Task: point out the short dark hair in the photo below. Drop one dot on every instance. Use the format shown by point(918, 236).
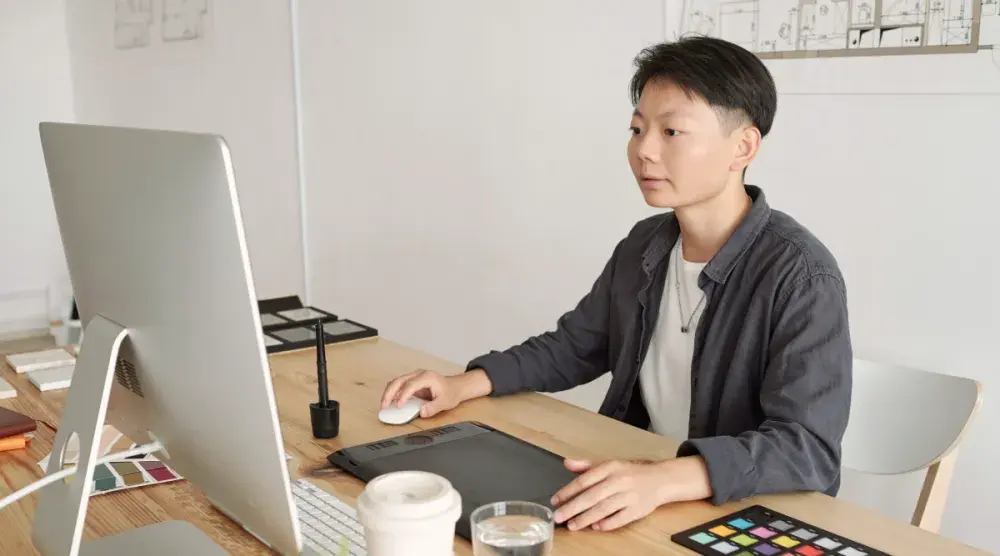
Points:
point(728, 77)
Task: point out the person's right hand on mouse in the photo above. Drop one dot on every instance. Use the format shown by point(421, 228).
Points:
point(443, 393)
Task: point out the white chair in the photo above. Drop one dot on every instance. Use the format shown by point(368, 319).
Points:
point(904, 420)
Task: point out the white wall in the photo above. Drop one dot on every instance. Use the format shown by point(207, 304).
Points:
point(443, 138)
point(237, 82)
point(34, 85)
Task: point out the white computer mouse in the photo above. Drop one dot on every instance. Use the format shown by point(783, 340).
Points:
point(393, 415)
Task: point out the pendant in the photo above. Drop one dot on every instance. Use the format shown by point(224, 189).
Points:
point(684, 329)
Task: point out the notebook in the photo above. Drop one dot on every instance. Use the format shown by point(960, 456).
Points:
point(13, 423)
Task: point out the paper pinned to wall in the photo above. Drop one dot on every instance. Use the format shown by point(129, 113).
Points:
point(133, 19)
point(179, 20)
point(184, 19)
point(813, 28)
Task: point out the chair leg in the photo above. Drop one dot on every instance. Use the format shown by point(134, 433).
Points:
point(934, 494)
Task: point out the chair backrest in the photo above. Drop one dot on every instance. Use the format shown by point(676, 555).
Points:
point(905, 420)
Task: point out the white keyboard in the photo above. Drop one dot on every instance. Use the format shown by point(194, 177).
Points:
point(325, 520)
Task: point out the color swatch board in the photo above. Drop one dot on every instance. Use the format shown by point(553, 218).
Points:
point(279, 338)
point(130, 473)
point(759, 531)
point(288, 325)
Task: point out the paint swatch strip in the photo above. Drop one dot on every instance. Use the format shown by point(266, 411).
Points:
point(124, 474)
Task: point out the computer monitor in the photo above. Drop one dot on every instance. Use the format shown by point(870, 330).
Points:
point(151, 227)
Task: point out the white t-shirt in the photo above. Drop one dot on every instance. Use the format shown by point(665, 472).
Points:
point(665, 375)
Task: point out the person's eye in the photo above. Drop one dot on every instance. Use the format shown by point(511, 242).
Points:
point(635, 130)
point(670, 132)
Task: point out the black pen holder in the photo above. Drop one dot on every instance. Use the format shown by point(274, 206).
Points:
point(325, 420)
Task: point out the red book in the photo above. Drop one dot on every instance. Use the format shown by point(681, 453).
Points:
point(13, 423)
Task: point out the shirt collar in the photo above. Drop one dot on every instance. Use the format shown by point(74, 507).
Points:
point(721, 265)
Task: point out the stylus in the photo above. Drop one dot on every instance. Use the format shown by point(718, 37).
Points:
point(321, 364)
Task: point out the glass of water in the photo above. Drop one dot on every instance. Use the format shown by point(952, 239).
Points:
point(512, 529)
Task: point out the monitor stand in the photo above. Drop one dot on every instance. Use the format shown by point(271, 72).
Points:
point(62, 505)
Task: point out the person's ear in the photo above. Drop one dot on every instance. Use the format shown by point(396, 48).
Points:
point(746, 146)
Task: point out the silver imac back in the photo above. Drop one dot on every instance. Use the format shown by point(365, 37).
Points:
point(151, 227)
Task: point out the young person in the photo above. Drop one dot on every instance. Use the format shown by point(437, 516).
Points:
point(723, 322)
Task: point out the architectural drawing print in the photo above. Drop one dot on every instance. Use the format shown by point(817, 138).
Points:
point(778, 31)
point(863, 38)
point(701, 18)
point(903, 12)
point(824, 25)
point(989, 29)
point(949, 22)
point(738, 21)
point(783, 28)
point(911, 35)
point(862, 13)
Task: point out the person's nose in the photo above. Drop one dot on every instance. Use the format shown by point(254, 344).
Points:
point(649, 148)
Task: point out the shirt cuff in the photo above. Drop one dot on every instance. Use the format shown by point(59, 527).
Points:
point(731, 471)
point(502, 370)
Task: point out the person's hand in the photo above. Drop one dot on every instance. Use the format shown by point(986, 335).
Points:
point(443, 393)
point(612, 494)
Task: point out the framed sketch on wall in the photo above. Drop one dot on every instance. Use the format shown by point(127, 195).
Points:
point(828, 28)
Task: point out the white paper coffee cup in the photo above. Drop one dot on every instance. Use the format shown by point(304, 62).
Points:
point(409, 513)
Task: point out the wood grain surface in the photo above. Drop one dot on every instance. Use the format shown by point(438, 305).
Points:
point(358, 373)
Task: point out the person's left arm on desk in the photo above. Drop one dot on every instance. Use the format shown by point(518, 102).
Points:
point(805, 398)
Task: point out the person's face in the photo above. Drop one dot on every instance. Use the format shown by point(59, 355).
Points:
point(681, 151)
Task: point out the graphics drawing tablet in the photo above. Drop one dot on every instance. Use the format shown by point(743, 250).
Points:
point(485, 465)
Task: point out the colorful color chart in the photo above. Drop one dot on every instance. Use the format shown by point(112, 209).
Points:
point(130, 473)
point(759, 531)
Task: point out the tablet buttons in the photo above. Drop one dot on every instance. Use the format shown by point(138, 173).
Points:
point(418, 440)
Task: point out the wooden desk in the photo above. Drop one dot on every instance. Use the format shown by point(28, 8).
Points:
point(358, 373)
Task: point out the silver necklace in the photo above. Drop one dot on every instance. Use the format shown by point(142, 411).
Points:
point(685, 327)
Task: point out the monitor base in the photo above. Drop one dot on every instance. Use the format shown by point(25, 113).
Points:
point(168, 538)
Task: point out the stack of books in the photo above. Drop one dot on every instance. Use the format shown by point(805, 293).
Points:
point(16, 430)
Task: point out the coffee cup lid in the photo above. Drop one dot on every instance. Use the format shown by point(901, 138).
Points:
point(409, 495)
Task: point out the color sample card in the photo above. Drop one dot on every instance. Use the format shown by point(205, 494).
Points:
point(759, 531)
point(40, 360)
point(298, 331)
point(305, 314)
point(130, 473)
point(342, 327)
point(296, 334)
point(71, 453)
point(58, 378)
point(271, 341)
point(6, 390)
point(270, 319)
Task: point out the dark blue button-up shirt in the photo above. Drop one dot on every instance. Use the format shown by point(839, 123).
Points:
point(771, 371)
